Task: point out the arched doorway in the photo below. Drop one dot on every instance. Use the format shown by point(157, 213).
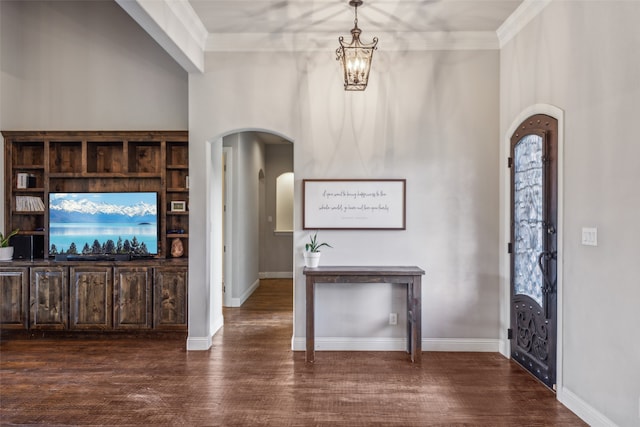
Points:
point(531, 128)
point(533, 248)
point(206, 276)
point(253, 247)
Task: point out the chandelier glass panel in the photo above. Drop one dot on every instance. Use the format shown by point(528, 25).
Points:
point(355, 57)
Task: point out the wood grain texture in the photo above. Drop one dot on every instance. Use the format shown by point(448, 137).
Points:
point(132, 298)
point(251, 377)
point(14, 298)
point(90, 297)
point(410, 276)
point(49, 298)
point(97, 161)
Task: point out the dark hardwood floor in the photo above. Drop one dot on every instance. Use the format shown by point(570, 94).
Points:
point(251, 377)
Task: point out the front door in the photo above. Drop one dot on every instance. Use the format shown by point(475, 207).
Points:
point(534, 171)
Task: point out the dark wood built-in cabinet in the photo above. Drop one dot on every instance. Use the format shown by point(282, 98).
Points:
point(98, 162)
point(103, 296)
point(14, 297)
point(90, 297)
point(170, 298)
point(148, 295)
point(132, 298)
point(49, 302)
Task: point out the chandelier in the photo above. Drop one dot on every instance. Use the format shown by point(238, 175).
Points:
point(355, 56)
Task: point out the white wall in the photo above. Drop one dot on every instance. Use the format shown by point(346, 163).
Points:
point(69, 65)
point(429, 117)
point(275, 249)
point(248, 160)
point(84, 66)
point(582, 57)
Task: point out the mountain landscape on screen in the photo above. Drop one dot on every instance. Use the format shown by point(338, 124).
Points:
point(103, 223)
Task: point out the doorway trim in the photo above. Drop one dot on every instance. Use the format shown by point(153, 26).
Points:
point(214, 232)
point(227, 226)
point(505, 233)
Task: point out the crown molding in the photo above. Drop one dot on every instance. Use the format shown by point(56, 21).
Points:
point(519, 19)
point(309, 42)
point(174, 26)
point(178, 29)
point(190, 20)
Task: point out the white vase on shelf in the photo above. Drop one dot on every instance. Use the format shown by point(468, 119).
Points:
point(311, 259)
point(6, 253)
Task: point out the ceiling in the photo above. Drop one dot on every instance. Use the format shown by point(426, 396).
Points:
point(336, 16)
point(187, 29)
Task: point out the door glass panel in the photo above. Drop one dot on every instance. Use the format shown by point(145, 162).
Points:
point(528, 219)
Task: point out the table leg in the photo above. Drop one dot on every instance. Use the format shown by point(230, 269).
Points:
point(416, 336)
point(310, 351)
point(409, 316)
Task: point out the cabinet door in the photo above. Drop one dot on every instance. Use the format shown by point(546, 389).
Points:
point(14, 298)
point(132, 298)
point(49, 298)
point(91, 291)
point(170, 298)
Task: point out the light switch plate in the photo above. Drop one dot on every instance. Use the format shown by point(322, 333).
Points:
point(590, 236)
point(393, 318)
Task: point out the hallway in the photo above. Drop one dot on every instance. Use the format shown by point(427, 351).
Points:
point(251, 377)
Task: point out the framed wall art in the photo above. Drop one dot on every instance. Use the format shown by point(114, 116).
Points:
point(354, 204)
point(178, 206)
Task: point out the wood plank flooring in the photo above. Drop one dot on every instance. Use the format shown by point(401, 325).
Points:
point(252, 378)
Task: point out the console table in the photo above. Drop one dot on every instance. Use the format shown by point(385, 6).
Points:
point(410, 276)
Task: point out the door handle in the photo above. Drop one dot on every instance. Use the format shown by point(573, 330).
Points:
point(548, 286)
point(545, 256)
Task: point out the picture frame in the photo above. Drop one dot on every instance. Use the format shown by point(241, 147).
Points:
point(178, 206)
point(354, 204)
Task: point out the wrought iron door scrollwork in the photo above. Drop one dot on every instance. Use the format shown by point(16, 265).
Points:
point(531, 337)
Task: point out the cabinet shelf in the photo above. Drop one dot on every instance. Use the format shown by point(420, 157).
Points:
point(179, 236)
point(28, 167)
point(32, 233)
point(28, 190)
point(100, 161)
point(89, 175)
point(27, 212)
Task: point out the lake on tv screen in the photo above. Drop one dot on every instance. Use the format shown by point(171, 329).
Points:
point(62, 235)
point(118, 222)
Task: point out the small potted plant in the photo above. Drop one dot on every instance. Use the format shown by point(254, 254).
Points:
point(6, 251)
point(312, 251)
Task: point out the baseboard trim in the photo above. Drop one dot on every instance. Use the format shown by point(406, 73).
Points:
point(588, 413)
point(276, 275)
point(475, 345)
point(352, 344)
point(205, 343)
point(504, 348)
point(396, 344)
point(217, 325)
point(198, 343)
point(237, 302)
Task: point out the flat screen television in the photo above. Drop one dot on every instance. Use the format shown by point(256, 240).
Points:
point(103, 223)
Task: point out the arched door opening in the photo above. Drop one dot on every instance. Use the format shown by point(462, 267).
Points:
point(544, 226)
point(253, 248)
